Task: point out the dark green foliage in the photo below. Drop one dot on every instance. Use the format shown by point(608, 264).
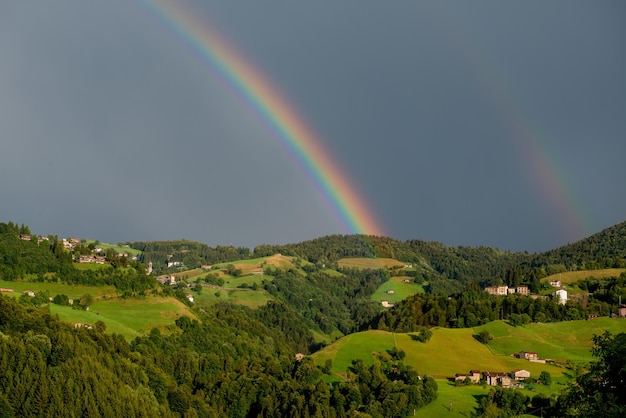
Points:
point(599, 392)
point(545, 378)
point(606, 249)
point(471, 309)
point(192, 254)
point(230, 364)
point(484, 337)
point(502, 403)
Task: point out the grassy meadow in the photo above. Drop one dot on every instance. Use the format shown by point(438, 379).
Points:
point(574, 276)
point(369, 263)
point(128, 317)
point(569, 340)
point(451, 351)
point(72, 291)
point(401, 290)
point(117, 248)
point(454, 350)
point(246, 297)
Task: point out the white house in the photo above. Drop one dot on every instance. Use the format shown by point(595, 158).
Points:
point(561, 295)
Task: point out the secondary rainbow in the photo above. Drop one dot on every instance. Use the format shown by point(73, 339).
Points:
point(256, 90)
point(541, 162)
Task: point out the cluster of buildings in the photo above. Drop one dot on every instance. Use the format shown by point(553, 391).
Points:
point(24, 237)
point(506, 380)
point(560, 294)
point(506, 290)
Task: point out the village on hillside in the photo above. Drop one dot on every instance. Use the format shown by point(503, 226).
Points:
point(513, 379)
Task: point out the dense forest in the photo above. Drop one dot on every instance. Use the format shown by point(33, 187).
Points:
point(229, 365)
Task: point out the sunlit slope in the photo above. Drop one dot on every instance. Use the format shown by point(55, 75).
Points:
point(451, 351)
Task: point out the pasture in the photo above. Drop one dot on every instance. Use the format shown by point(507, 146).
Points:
point(369, 263)
point(568, 340)
point(117, 248)
point(574, 276)
point(128, 317)
point(452, 351)
point(395, 289)
point(72, 291)
point(245, 297)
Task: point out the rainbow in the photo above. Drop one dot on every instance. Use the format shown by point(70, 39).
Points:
point(541, 162)
point(256, 90)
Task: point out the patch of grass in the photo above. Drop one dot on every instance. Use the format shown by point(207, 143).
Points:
point(116, 248)
point(91, 266)
point(72, 291)
point(400, 289)
point(464, 400)
point(574, 276)
point(259, 264)
point(331, 272)
point(246, 297)
point(128, 317)
point(451, 351)
point(250, 279)
point(369, 263)
point(568, 340)
point(363, 345)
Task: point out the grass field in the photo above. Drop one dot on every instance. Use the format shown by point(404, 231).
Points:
point(72, 291)
point(401, 290)
point(257, 264)
point(128, 317)
point(246, 297)
point(232, 282)
point(116, 248)
point(464, 400)
point(574, 276)
point(363, 345)
point(369, 263)
point(570, 340)
point(91, 266)
point(452, 351)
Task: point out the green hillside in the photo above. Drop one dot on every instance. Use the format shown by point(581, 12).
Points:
point(562, 341)
point(449, 351)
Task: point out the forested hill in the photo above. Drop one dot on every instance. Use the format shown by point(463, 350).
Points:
point(190, 254)
point(605, 249)
point(477, 264)
point(480, 265)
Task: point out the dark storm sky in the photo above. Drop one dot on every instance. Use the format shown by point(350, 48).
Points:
point(469, 123)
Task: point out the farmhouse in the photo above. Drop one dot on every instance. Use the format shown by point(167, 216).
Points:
point(497, 290)
point(171, 280)
point(621, 311)
point(473, 376)
point(92, 259)
point(520, 374)
point(497, 378)
point(29, 293)
point(528, 355)
point(2, 289)
point(561, 296)
point(522, 290)
point(555, 283)
point(386, 304)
